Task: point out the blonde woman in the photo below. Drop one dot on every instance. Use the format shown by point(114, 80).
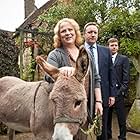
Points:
point(67, 40)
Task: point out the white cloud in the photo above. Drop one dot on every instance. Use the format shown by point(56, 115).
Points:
point(39, 3)
point(12, 13)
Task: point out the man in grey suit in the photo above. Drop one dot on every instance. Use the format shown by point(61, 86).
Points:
point(121, 72)
point(104, 66)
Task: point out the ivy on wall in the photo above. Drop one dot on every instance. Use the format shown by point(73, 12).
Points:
point(8, 56)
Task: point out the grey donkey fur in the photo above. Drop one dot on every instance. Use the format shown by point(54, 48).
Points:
point(50, 112)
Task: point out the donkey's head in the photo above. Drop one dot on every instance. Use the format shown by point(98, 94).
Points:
point(70, 100)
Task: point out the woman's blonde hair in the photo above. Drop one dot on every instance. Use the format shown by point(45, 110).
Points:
point(57, 40)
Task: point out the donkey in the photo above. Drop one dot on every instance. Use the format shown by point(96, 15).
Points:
point(49, 112)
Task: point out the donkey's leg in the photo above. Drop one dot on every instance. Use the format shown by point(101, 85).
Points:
point(11, 134)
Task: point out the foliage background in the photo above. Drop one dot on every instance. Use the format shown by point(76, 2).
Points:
point(119, 18)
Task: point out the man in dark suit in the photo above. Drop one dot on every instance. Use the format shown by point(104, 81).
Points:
point(103, 61)
point(121, 72)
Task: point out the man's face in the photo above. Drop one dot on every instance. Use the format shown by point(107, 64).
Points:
point(113, 46)
point(91, 34)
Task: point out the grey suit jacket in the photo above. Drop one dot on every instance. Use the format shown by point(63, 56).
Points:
point(59, 58)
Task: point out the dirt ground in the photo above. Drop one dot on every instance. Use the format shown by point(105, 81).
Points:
point(130, 136)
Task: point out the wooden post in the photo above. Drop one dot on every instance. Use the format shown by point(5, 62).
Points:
point(11, 134)
point(21, 54)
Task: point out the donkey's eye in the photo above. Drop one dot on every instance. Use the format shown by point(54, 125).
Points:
point(53, 100)
point(77, 103)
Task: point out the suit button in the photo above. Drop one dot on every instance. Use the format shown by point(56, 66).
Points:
point(117, 85)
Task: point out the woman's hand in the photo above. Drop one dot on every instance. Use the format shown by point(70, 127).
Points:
point(67, 71)
point(98, 102)
point(98, 108)
point(39, 59)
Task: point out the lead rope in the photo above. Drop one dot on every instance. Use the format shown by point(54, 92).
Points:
point(35, 99)
point(96, 127)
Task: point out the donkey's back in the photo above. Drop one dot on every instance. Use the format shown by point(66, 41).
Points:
point(7, 83)
point(28, 106)
point(17, 101)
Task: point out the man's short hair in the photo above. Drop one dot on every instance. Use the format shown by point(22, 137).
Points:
point(111, 40)
point(90, 23)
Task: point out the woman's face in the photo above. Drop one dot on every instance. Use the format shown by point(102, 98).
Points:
point(67, 33)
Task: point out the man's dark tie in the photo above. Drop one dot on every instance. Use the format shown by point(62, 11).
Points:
point(91, 50)
point(91, 96)
point(94, 56)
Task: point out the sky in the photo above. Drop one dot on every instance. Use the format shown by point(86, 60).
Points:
point(12, 13)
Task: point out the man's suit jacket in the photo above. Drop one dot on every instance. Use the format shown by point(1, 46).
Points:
point(121, 72)
point(106, 73)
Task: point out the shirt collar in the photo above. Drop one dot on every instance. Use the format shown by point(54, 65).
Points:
point(88, 46)
point(114, 55)
point(95, 45)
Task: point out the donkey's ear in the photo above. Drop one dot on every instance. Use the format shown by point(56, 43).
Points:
point(51, 70)
point(82, 64)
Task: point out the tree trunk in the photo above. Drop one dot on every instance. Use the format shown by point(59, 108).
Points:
point(136, 63)
point(133, 121)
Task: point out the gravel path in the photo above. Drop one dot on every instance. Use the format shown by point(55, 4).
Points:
point(130, 136)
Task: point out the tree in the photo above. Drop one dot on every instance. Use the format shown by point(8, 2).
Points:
point(8, 61)
point(79, 10)
point(125, 25)
point(8, 56)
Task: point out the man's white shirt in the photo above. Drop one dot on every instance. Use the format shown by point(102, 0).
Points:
point(114, 57)
point(94, 50)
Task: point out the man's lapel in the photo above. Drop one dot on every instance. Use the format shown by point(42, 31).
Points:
point(100, 56)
